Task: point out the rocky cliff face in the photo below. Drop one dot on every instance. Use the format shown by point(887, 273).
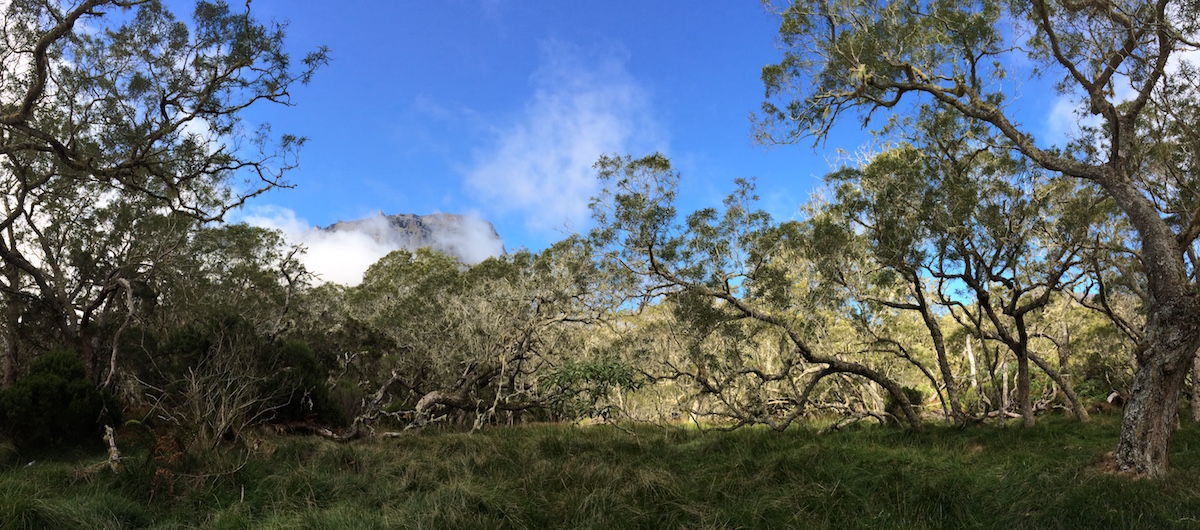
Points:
point(469, 239)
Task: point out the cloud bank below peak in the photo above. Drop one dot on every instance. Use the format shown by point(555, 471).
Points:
point(539, 165)
point(342, 256)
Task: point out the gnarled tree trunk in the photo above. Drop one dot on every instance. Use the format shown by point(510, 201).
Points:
point(1163, 362)
point(1064, 382)
point(1172, 335)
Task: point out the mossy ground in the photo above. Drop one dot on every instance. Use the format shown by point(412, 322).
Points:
point(1051, 476)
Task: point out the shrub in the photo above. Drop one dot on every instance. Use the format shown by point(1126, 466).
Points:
point(579, 389)
point(916, 397)
point(215, 378)
point(55, 405)
point(302, 379)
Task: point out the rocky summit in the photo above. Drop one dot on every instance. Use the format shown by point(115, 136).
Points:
point(470, 239)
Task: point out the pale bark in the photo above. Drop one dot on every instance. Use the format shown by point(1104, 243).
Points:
point(116, 339)
point(939, 346)
point(1064, 349)
point(1196, 388)
point(1065, 384)
point(971, 361)
point(1004, 395)
point(114, 455)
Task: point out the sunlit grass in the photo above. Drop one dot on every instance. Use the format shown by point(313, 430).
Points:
point(648, 477)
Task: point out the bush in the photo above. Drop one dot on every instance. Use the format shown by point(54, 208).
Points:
point(215, 378)
point(916, 397)
point(302, 379)
point(55, 405)
point(580, 389)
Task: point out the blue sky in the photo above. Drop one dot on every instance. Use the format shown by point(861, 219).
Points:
point(499, 108)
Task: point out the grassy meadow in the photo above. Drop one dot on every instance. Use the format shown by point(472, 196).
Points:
point(565, 476)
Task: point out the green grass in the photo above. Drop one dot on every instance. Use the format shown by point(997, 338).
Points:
point(600, 477)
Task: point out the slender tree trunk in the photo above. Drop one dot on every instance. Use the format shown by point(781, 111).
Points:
point(1023, 400)
point(939, 346)
point(971, 360)
point(1196, 387)
point(1004, 397)
point(877, 402)
point(1064, 354)
point(1065, 384)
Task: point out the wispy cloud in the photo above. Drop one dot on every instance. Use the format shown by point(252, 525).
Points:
point(1070, 112)
point(540, 165)
point(1066, 118)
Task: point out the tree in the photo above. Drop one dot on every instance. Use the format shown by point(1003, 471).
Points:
point(213, 378)
point(476, 341)
point(202, 340)
point(952, 217)
point(842, 56)
point(116, 139)
point(1014, 252)
point(732, 276)
point(889, 264)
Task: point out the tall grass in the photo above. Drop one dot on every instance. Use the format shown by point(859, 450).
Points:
point(1052, 476)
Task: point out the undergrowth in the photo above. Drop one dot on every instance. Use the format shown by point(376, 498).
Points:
point(1051, 476)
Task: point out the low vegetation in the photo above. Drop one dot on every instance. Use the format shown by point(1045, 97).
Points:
point(1055, 475)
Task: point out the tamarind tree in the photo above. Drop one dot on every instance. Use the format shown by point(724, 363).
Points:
point(1122, 62)
point(121, 131)
point(734, 279)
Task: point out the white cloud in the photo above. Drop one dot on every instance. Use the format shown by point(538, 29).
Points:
point(340, 258)
point(1070, 111)
point(540, 166)
point(474, 240)
point(343, 256)
point(1065, 118)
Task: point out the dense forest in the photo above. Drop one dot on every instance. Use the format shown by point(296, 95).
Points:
point(961, 274)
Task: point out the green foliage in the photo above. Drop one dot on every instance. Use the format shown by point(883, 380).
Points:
point(54, 405)
point(930, 66)
point(302, 377)
point(584, 388)
point(752, 322)
point(424, 334)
